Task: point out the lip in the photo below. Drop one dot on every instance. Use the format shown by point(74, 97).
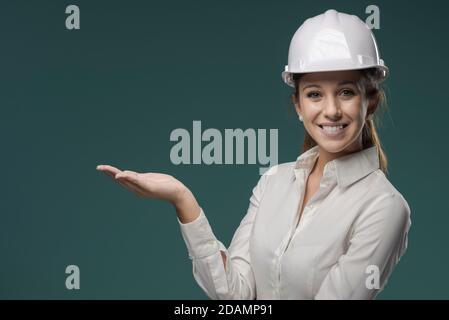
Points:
point(333, 135)
point(333, 124)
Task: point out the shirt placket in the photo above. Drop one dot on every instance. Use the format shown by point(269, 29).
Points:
point(285, 241)
point(308, 212)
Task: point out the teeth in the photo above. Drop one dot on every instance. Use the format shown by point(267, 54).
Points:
point(332, 129)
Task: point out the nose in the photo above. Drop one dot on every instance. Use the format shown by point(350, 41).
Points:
point(332, 109)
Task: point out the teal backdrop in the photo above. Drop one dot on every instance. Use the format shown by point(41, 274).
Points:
point(113, 91)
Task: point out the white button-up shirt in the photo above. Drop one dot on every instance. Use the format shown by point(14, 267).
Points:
point(349, 238)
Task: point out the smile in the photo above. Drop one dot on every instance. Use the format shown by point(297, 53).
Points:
point(333, 131)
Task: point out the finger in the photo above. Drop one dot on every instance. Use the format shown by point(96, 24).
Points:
point(132, 188)
point(129, 175)
point(129, 179)
point(108, 168)
point(111, 175)
point(133, 179)
point(125, 180)
point(132, 173)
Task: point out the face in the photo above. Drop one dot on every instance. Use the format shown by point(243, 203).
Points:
point(334, 109)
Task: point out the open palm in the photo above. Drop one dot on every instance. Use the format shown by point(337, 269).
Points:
point(150, 185)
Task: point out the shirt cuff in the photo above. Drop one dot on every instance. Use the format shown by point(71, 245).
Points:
point(199, 237)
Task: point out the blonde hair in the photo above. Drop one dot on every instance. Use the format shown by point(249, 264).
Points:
point(375, 94)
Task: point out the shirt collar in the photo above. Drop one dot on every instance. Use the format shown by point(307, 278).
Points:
point(347, 169)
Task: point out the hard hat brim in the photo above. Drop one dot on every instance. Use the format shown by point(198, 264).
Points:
point(287, 76)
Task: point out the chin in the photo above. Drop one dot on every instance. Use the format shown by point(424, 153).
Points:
point(332, 146)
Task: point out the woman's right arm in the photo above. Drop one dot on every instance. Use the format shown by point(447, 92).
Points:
point(222, 273)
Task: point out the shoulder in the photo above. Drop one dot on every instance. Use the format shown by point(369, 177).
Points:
point(383, 188)
point(385, 201)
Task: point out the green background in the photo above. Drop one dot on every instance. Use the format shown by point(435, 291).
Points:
point(113, 91)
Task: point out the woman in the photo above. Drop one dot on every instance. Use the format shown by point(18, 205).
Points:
point(329, 225)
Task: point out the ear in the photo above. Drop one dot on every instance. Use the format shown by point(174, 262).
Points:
point(296, 104)
point(373, 102)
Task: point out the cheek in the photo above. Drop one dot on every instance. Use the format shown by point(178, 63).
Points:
point(356, 110)
point(309, 109)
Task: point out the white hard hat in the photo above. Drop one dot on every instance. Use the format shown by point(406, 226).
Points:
point(332, 41)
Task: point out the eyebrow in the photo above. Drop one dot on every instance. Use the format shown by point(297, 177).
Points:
point(339, 84)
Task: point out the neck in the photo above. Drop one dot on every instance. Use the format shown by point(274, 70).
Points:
point(325, 157)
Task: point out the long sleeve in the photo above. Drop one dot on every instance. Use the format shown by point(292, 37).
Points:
point(237, 281)
point(379, 239)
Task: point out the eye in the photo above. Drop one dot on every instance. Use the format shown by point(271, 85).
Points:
point(313, 94)
point(347, 92)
